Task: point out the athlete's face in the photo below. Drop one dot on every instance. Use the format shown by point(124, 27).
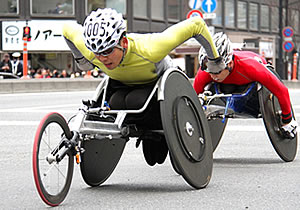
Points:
point(220, 77)
point(111, 58)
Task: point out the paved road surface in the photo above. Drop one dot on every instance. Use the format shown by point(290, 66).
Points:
point(247, 172)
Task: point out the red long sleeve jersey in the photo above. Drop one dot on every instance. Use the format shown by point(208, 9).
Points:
point(249, 67)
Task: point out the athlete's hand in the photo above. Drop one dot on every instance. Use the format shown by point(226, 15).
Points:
point(215, 65)
point(84, 64)
point(290, 129)
point(203, 96)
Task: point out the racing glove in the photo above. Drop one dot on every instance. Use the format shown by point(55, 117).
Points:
point(84, 64)
point(215, 65)
point(203, 96)
point(81, 61)
point(290, 129)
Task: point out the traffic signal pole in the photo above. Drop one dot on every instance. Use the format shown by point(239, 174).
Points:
point(25, 58)
point(26, 39)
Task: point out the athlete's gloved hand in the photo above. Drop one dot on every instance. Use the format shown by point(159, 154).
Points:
point(290, 129)
point(84, 64)
point(203, 96)
point(207, 93)
point(215, 65)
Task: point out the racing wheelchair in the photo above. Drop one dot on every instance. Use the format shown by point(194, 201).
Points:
point(224, 101)
point(97, 135)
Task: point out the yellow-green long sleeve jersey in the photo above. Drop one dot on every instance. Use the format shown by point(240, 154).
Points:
point(146, 56)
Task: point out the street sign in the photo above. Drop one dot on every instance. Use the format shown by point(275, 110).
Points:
point(288, 46)
point(209, 16)
point(194, 13)
point(195, 4)
point(287, 32)
point(209, 6)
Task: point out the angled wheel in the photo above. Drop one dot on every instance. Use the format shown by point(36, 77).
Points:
point(217, 126)
point(52, 179)
point(186, 130)
point(270, 109)
point(286, 148)
point(100, 159)
point(175, 167)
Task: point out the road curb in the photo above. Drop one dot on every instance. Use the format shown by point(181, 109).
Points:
point(47, 85)
point(9, 86)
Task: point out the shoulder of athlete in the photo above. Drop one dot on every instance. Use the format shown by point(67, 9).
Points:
point(248, 55)
point(72, 29)
point(143, 45)
point(73, 32)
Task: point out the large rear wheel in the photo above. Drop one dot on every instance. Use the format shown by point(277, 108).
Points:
point(186, 131)
point(286, 148)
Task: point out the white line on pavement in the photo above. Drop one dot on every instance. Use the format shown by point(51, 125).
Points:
point(43, 109)
point(23, 123)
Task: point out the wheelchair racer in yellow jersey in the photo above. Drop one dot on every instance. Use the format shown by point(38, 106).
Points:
point(132, 58)
point(132, 61)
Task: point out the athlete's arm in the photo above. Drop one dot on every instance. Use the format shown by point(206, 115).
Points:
point(160, 44)
point(260, 73)
point(201, 80)
point(73, 37)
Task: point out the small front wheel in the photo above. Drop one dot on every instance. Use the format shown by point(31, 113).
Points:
point(52, 178)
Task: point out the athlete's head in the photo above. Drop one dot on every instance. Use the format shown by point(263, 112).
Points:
point(103, 30)
point(223, 45)
point(104, 34)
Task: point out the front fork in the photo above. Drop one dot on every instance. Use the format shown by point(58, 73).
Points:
point(70, 145)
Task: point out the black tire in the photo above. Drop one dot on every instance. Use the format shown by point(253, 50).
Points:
point(217, 126)
point(48, 136)
point(175, 167)
point(285, 148)
point(270, 109)
point(186, 131)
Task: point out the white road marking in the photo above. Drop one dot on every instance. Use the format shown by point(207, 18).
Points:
point(44, 109)
point(22, 123)
point(46, 93)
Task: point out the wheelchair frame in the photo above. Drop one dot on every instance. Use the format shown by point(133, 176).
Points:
point(82, 135)
point(269, 111)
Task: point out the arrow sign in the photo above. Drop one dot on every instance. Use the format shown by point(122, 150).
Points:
point(209, 6)
point(194, 4)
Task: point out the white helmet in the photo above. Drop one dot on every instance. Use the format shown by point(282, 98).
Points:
point(103, 29)
point(223, 45)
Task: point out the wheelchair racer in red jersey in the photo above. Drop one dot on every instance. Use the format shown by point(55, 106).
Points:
point(244, 67)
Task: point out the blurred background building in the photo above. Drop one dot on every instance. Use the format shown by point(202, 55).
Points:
point(256, 25)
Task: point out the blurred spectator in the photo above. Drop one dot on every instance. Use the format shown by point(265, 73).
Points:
point(55, 73)
point(75, 74)
point(49, 73)
point(38, 74)
point(5, 65)
point(87, 74)
point(64, 74)
point(31, 72)
point(17, 66)
point(12, 6)
point(45, 74)
point(95, 73)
